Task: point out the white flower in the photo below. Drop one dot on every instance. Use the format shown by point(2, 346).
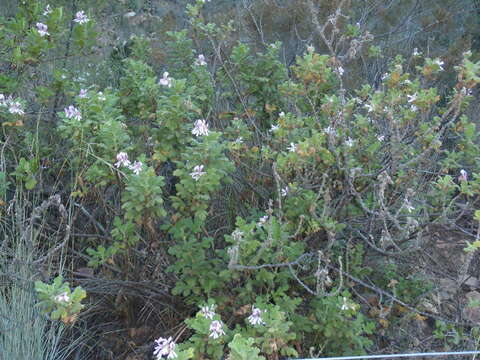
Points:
point(216, 329)
point(81, 18)
point(101, 97)
point(200, 61)
point(369, 107)
point(292, 147)
point(204, 1)
point(73, 113)
point(282, 114)
point(438, 62)
point(310, 49)
point(47, 10)
point(412, 98)
point(463, 175)
point(83, 93)
point(165, 347)
point(346, 305)
point(3, 101)
point(15, 108)
point(262, 220)
point(329, 130)
point(42, 29)
point(197, 172)
point(208, 311)
point(166, 80)
point(122, 160)
point(274, 128)
point(416, 52)
point(349, 142)
point(381, 138)
point(384, 76)
point(136, 167)
point(413, 107)
point(239, 140)
point(62, 297)
point(237, 235)
point(340, 70)
point(201, 128)
point(255, 318)
point(407, 82)
point(284, 191)
point(408, 206)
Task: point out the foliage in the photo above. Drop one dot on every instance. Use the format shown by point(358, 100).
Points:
point(263, 189)
point(59, 301)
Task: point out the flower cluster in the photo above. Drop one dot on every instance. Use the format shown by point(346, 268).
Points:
point(262, 221)
point(14, 107)
point(256, 317)
point(165, 80)
point(463, 175)
point(197, 172)
point(216, 326)
point(200, 61)
point(81, 18)
point(62, 297)
point(439, 62)
point(346, 305)
point(42, 29)
point(122, 160)
point(201, 128)
point(83, 93)
point(72, 112)
point(216, 329)
point(208, 311)
point(47, 10)
point(165, 348)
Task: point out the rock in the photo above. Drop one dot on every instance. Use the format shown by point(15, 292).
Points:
point(469, 281)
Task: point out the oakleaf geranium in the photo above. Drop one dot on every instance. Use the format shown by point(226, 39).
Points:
point(165, 348)
point(256, 317)
point(81, 18)
point(201, 128)
point(72, 112)
point(216, 329)
point(197, 172)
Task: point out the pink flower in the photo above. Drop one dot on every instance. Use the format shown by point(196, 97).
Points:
point(73, 113)
point(62, 297)
point(197, 172)
point(208, 311)
point(47, 10)
point(83, 93)
point(200, 60)
point(166, 80)
point(255, 318)
point(164, 347)
point(136, 167)
point(42, 29)
point(216, 329)
point(122, 160)
point(463, 175)
point(81, 18)
point(16, 108)
point(201, 128)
